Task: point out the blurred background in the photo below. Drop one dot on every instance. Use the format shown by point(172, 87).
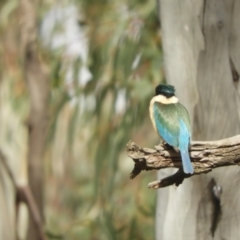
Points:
point(87, 69)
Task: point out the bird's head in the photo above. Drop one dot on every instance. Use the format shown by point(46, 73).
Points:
point(165, 90)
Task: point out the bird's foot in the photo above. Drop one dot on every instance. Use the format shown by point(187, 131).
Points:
point(159, 147)
point(163, 146)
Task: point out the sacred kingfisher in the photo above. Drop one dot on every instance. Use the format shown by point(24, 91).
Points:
point(171, 120)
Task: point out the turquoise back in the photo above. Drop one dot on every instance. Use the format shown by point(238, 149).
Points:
point(173, 124)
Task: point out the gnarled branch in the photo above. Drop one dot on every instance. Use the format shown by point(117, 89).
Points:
point(205, 156)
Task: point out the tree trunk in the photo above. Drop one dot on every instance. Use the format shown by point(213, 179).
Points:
point(201, 54)
point(38, 85)
point(7, 209)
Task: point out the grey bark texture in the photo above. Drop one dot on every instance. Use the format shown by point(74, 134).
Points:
point(201, 46)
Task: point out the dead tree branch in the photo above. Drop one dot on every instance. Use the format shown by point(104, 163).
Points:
point(205, 156)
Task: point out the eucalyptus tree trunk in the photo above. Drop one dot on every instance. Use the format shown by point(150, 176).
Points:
point(201, 46)
point(7, 210)
point(37, 80)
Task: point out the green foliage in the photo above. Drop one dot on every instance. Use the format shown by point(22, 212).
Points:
point(125, 55)
point(88, 191)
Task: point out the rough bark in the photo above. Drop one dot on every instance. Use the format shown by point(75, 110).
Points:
point(205, 157)
point(38, 85)
point(201, 40)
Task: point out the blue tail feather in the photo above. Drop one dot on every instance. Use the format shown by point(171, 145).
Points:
point(187, 165)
